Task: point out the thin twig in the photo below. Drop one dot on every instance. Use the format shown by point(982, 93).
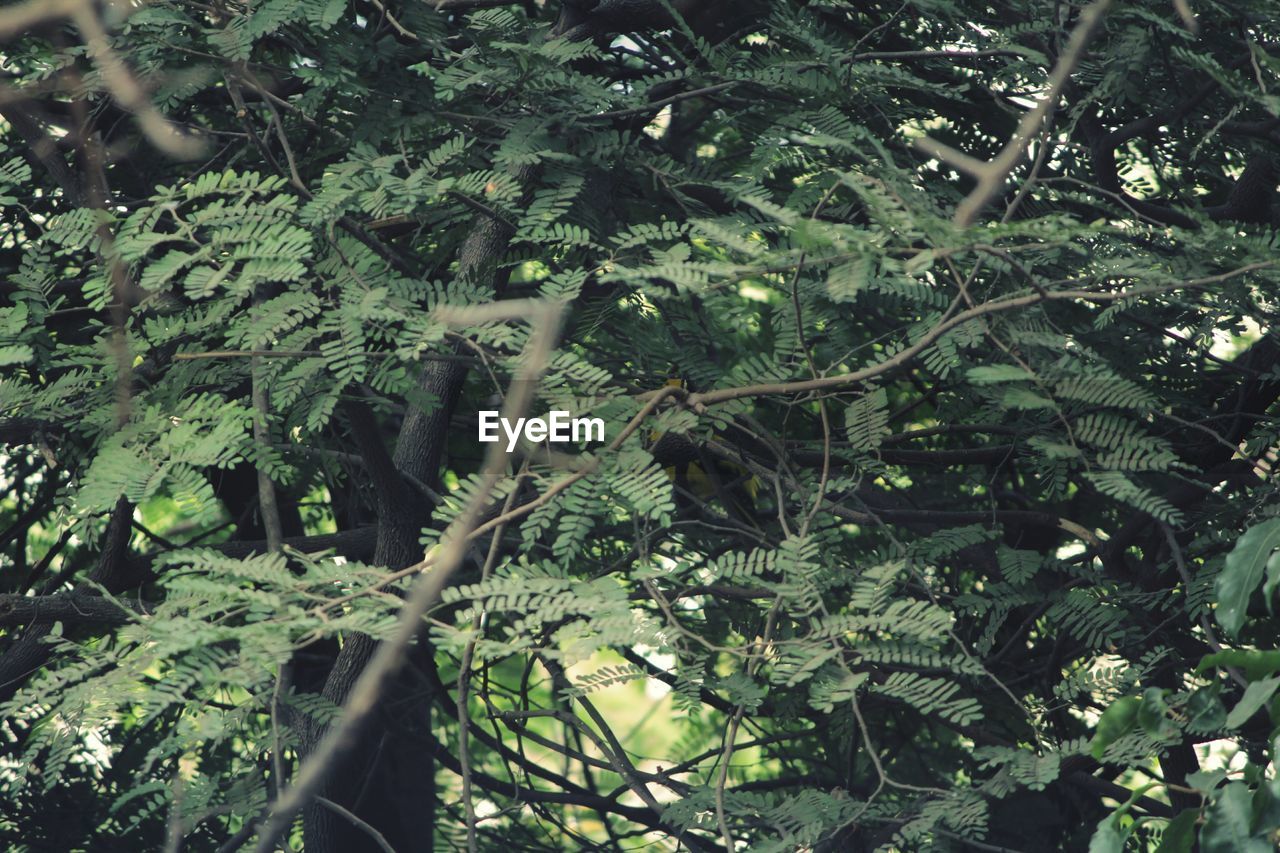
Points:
point(753, 665)
point(464, 683)
point(268, 508)
point(269, 511)
point(482, 208)
point(307, 353)
point(890, 55)
point(662, 102)
point(378, 837)
point(813, 374)
point(283, 677)
point(1211, 637)
point(396, 25)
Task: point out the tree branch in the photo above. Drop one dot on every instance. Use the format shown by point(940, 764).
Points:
point(991, 175)
point(70, 607)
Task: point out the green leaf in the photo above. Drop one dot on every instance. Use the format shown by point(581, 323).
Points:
point(1114, 724)
point(1256, 663)
point(1153, 714)
point(1227, 829)
point(1206, 781)
point(1273, 579)
point(1205, 711)
point(1266, 807)
point(1021, 398)
point(1180, 835)
point(1243, 571)
point(846, 281)
point(997, 373)
point(867, 420)
point(1114, 831)
point(15, 354)
point(1255, 696)
point(1109, 837)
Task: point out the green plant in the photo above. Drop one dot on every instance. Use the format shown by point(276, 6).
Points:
point(933, 347)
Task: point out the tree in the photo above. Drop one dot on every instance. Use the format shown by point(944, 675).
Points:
point(932, 346)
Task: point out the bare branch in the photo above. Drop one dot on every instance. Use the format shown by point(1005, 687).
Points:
point(307, 353)
point(468, 5)
point(953, 55)
point(991, 175)
point(378, 837)
point(395, 24)
point(844, 380)
point(120, 82)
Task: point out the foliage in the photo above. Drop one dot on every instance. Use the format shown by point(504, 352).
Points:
point(941, 535)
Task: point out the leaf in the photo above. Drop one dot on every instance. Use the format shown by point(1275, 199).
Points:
point(845, 281)
point(1205, 711)
point(1255, 696)
point(1112, 833)
point(1021, 398)
point(1242, 573)
point(1265, 811)
point(1109, 837)
point(1114, 724)
point(1206, 781)
point(1180, 835)
point(1273, 579)
point(15, 354)
point(1256, 663)
point(867, 420)
point(1018, 566)
point(1226, 829)
point(997, 373)
point(1153, 714)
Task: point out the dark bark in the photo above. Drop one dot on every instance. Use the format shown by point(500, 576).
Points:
point(27, 651)
point(76, 607)
point(42, 150)
point(16, 431)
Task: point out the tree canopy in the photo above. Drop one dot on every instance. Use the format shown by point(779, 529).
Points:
point(932, 344)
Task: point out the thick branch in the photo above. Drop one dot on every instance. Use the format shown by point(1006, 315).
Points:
point(71, 607)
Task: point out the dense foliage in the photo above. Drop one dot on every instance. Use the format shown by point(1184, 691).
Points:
point(932, 341)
